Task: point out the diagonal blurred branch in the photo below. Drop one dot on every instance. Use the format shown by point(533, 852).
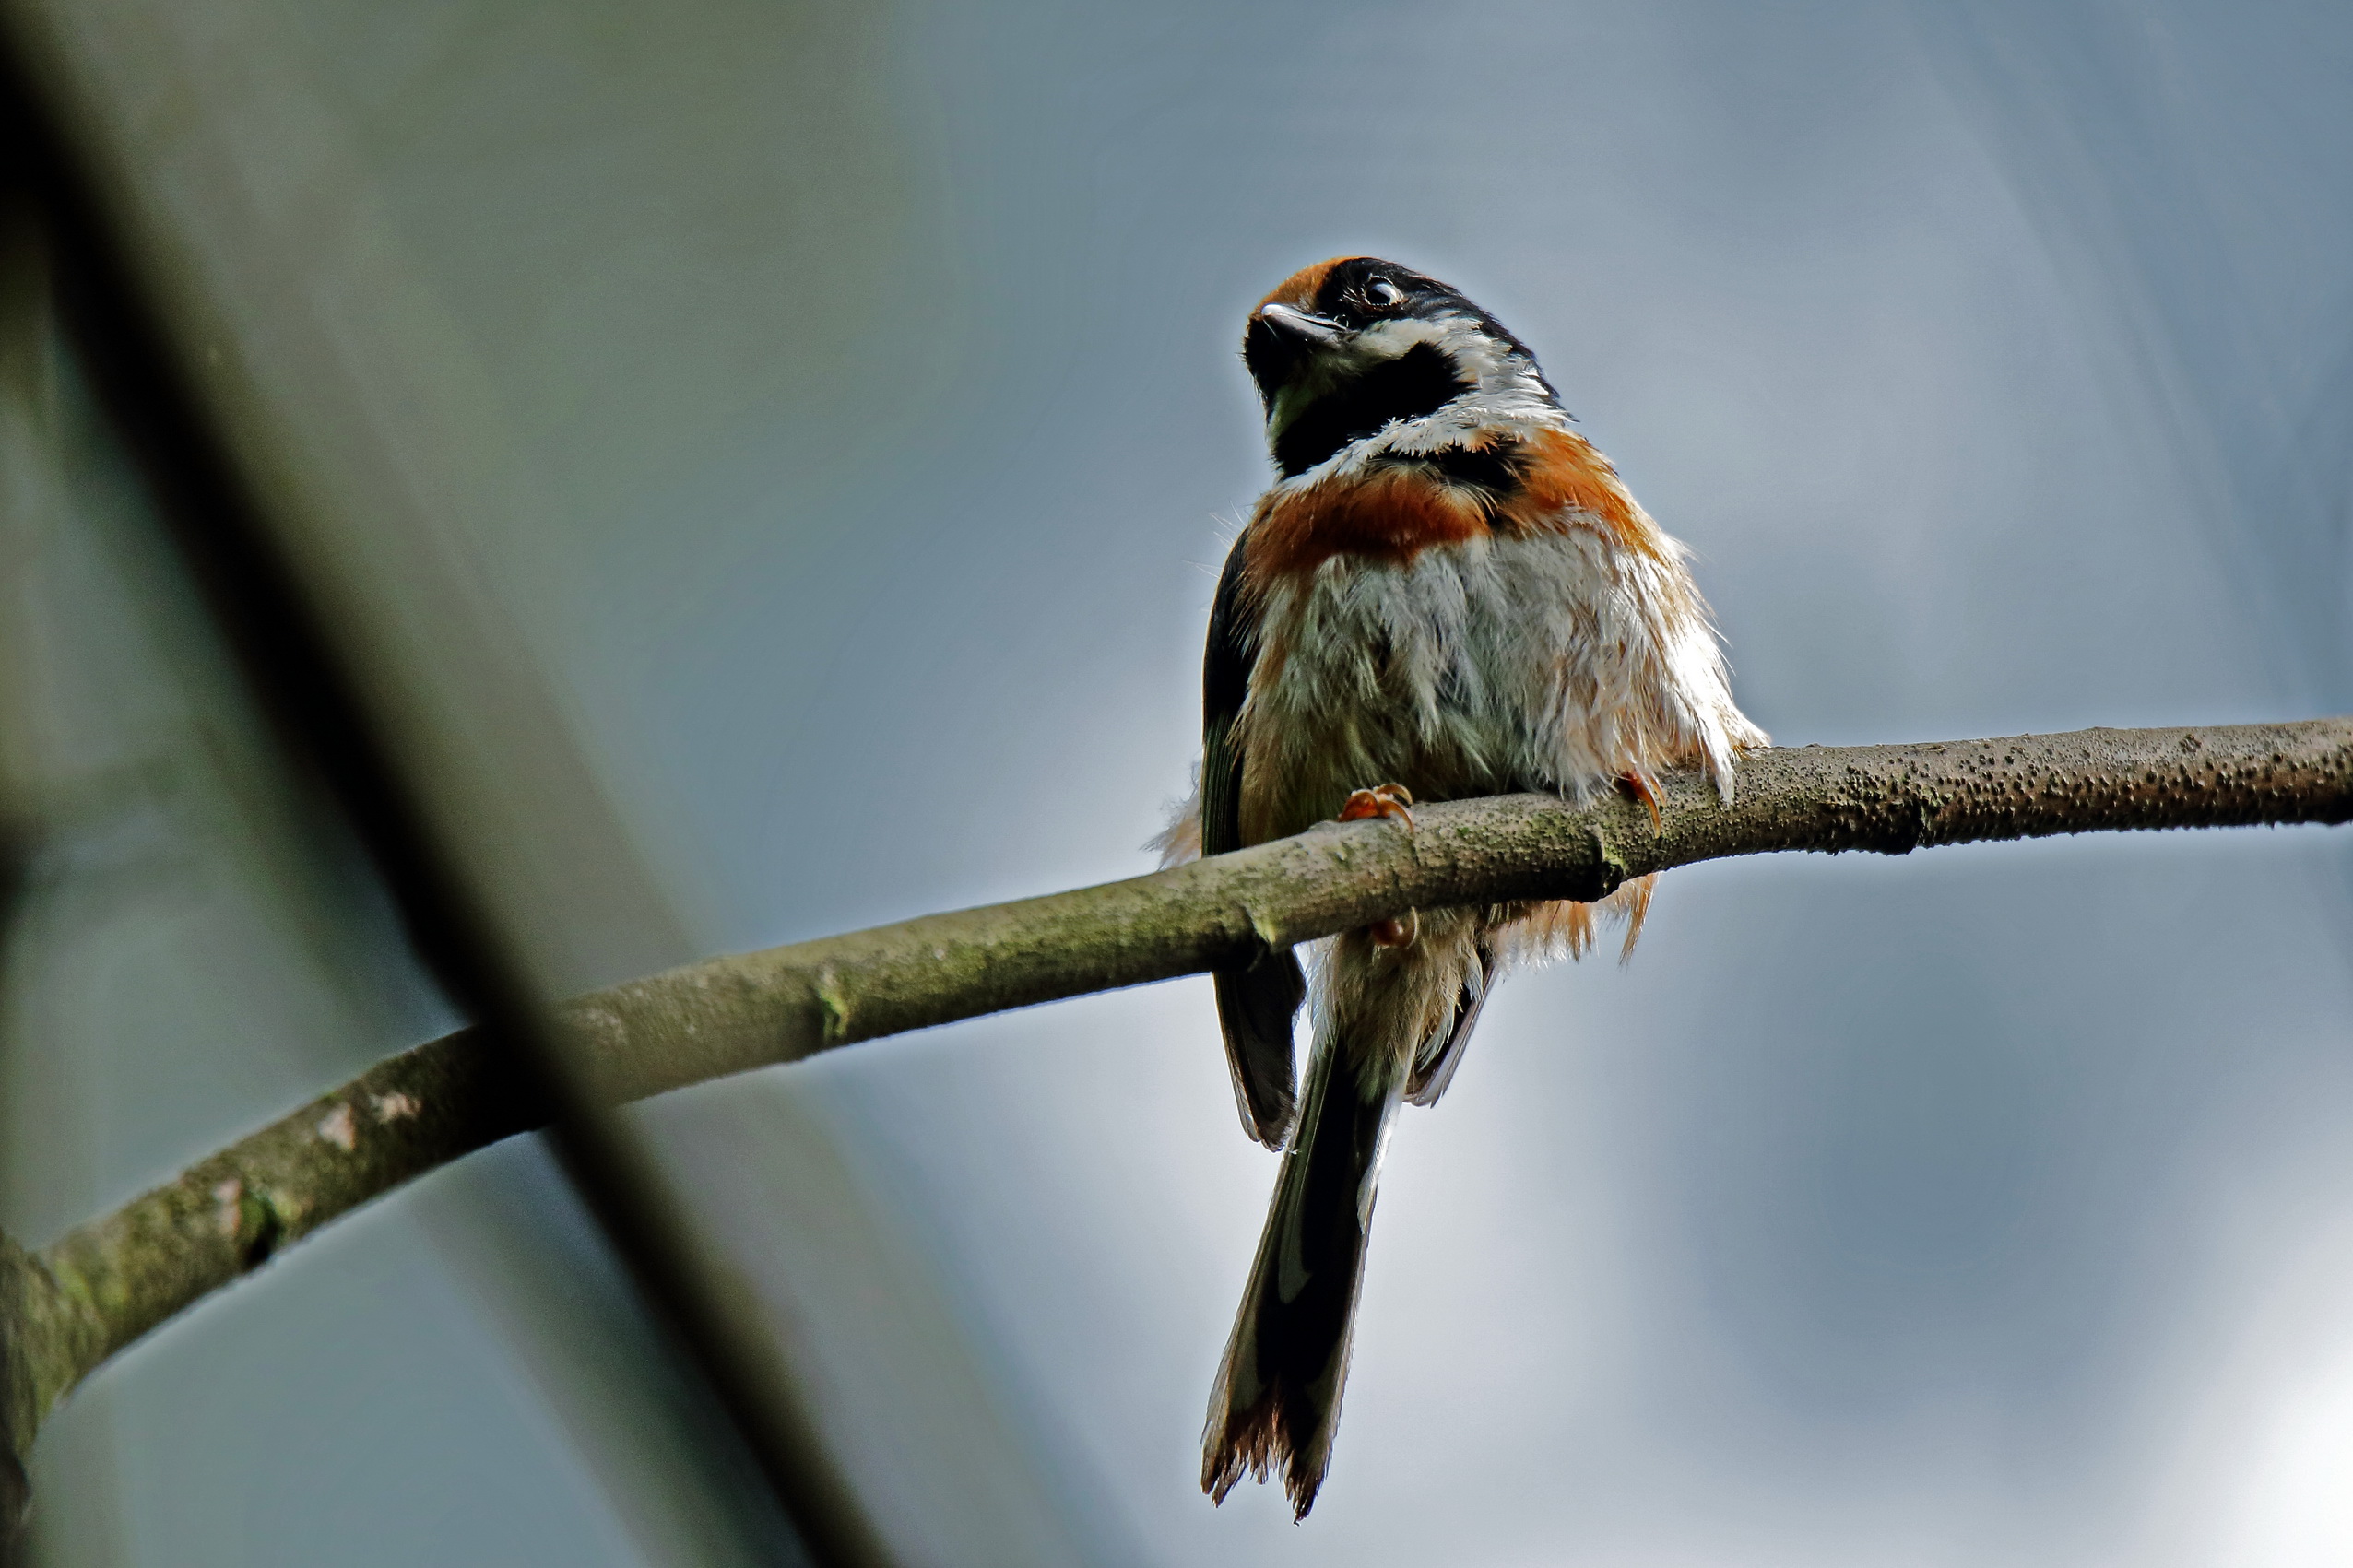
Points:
point(70, 1306)
point(339, 721)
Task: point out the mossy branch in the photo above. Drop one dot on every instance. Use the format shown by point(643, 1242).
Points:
point(66, 1308)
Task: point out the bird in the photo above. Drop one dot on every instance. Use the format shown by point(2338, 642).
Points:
point(1445, 592)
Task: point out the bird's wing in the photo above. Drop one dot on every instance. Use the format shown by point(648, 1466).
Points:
point(1256, 1004)
point(1434, 1063)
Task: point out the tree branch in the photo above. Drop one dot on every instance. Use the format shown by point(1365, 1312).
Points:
point(66, 1309)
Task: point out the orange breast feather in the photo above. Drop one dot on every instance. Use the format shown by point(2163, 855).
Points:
point(1562, 474)
point(1392, 515)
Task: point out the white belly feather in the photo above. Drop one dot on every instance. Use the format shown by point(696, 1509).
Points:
point(1559, 662)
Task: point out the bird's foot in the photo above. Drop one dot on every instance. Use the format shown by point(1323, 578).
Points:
point(1382, 800)
point(1645, 790)
point(1395, 802)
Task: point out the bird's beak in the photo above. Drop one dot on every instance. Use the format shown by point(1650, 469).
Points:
point(1280, 340)
point(1304, 330)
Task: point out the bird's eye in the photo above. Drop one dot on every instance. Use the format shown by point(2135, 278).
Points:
point(1383, 295)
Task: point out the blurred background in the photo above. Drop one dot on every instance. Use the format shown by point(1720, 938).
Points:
point(779, 457)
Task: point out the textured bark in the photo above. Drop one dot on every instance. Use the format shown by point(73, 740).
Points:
point(66, 1308)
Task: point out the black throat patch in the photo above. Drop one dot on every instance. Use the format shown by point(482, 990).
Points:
point(1420, 380)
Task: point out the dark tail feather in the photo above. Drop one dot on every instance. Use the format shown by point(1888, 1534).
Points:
point(1277, 1399)
point(1254, 1007)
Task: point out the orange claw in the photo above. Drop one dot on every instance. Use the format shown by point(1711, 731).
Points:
point(1382, 800)
point(1395, 801)
point(1647, 793)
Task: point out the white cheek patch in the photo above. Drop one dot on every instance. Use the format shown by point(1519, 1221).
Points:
point(1374, 345)
point(1507, 395)
point(1459, 338)
point(1393, 339)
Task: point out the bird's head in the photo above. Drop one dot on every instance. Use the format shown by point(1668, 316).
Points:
point(1346, 350)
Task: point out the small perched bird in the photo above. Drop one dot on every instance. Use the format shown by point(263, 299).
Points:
point(1446, 593)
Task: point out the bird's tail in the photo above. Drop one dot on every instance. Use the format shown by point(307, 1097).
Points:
point(1276, 1403)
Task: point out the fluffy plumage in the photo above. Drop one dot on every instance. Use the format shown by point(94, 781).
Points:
point(1446, 588)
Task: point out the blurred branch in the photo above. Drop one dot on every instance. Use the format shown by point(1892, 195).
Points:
point(264, 564)
point(68, 1308)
